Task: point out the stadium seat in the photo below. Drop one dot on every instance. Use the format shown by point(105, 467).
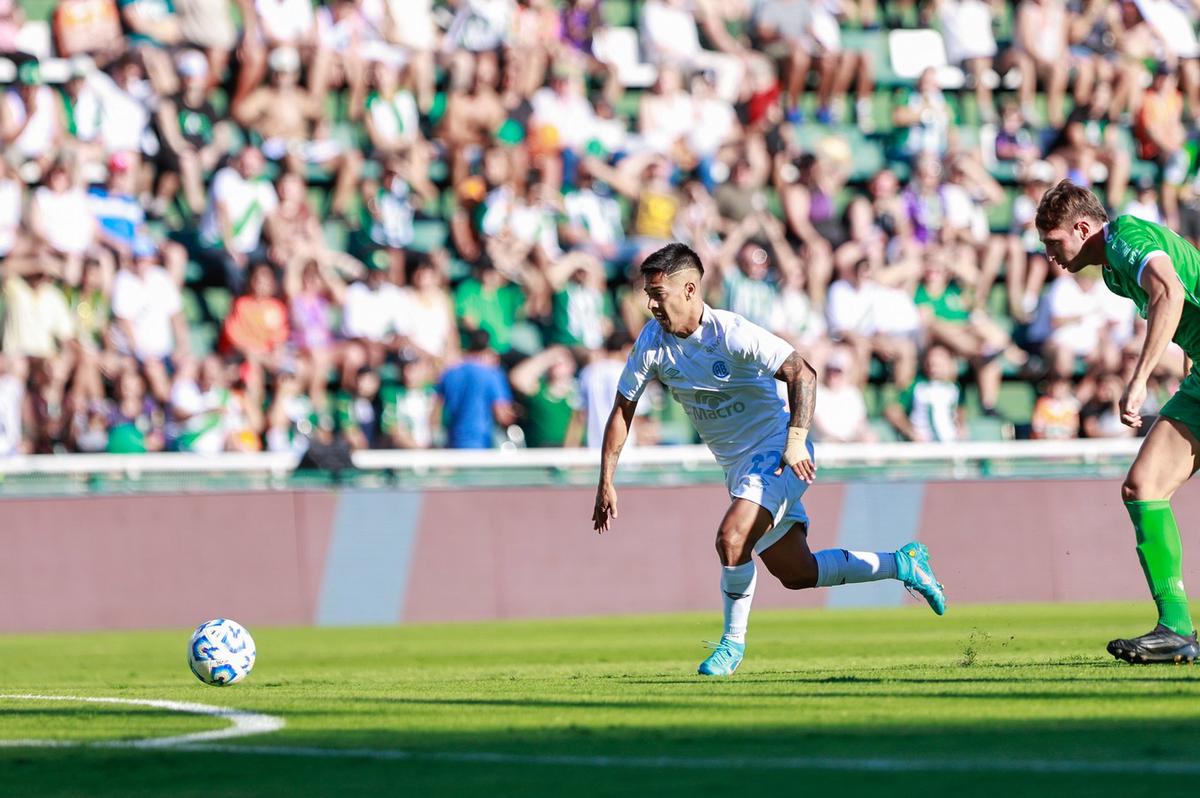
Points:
point(984, 428)
point(1016, 401)
point(202, 338)
point(429, 235)
point(335, 234)
point(883, 430)
point(619, 12)
point(219, 301)
point(618, 47)
point(911, 52)
point(526, 338)
point(38, 10)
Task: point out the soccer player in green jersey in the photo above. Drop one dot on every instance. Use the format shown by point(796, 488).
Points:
point(1160, 272)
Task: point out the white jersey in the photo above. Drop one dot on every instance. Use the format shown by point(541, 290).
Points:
point(724, 376)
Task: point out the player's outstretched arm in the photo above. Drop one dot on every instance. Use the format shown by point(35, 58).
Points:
point(615, 433)
point(1166, 293)
point(801, 381)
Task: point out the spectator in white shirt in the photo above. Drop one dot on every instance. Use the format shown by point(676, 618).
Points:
point(372, 319)
point(714, 122)
point(32, 127)
point(666, 112)
point(597, 387)
point(561, 111)
point(874, 320)
point(148, 322)
point(1077, 322)
point(670, 35)
point(240, 200)
point(970, 44)
point(61, 216)
point(840, 415)
point(124, 105)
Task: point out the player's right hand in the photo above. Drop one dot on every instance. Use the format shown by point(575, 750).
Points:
point(605, 510)
point(1131, 404)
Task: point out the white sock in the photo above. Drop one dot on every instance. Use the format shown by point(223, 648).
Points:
point(841, 567)
point(737, 590)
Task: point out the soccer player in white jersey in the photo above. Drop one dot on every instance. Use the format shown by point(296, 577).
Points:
point(723, 369)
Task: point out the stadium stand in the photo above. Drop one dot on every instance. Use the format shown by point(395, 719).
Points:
point(236, 227)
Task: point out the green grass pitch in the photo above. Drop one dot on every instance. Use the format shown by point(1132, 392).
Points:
point(1018, 700)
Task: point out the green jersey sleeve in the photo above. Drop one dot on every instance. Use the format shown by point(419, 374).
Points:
point(1130, 243)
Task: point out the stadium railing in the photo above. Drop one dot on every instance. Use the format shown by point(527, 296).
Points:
point(83, 473)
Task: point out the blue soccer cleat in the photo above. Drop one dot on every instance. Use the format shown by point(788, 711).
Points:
point(724, 660)
point(914, 570)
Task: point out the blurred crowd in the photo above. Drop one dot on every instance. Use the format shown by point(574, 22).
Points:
point(256, 224)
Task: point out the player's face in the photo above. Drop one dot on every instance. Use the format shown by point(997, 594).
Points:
point(670, 299)
point(1063, 244)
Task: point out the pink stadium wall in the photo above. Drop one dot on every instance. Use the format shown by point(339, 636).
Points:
point(358, 556)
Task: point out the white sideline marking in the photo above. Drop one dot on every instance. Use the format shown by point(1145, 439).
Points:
point(241, 723)
point(246, 723)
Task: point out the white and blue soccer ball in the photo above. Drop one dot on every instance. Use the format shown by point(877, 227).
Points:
point(221, 652)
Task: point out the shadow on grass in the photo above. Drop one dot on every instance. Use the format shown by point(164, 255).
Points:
point(961, 758)
point(91, 712)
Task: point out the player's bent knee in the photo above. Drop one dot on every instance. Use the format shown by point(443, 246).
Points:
point(1129, 490)
point(1137, 489)
point(732, 548)
point(1141, 485)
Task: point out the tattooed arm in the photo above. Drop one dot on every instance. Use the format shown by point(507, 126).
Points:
point(801, 382)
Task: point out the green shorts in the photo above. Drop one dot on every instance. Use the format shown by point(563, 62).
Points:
point(1184, 406)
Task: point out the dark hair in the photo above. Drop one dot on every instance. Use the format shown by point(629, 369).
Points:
point(478, 340)
point(253, 270)
point(1066, 204)
point(671, 259)
point(422, 261)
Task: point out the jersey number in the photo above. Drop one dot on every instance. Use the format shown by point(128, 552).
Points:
point(765, 463)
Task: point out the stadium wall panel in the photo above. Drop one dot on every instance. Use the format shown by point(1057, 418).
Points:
point(388, 556)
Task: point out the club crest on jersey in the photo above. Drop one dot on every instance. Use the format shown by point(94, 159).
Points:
point(720, 370)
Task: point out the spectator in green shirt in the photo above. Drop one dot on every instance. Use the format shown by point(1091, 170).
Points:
point(488, 301)
point(968, 334)
point(548, 394)
point(582, 309)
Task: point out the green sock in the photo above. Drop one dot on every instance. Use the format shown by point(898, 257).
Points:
point(1161, 554)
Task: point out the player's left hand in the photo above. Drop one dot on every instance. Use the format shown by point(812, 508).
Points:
point(804, 468)
point(795, 455)
point(1131, 404)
